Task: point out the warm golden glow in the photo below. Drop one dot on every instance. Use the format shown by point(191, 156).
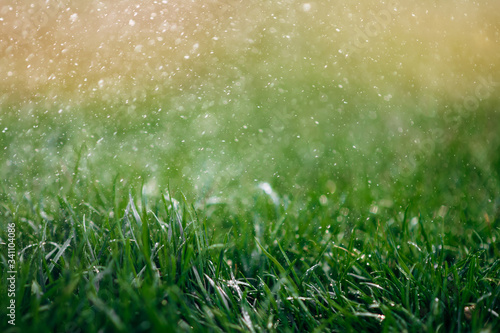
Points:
point(113, 51)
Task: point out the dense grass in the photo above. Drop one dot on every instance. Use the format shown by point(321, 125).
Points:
point(225, 166)
point(378, 246)
point(126, 262)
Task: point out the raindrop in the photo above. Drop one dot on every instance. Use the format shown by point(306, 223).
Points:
point(306, 7)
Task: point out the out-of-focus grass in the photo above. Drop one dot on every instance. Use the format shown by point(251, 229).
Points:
point(367, 149)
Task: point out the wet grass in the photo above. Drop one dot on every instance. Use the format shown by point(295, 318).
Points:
point(126, 262)
point(230, 166)
point(392, 235)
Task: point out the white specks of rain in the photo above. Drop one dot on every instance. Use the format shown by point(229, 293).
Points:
point(132, 59)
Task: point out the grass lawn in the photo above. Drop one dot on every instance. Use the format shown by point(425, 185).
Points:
point(359, 239)
point(264, 184)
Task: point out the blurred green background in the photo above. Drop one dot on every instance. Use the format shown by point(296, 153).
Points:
point(373, 105)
